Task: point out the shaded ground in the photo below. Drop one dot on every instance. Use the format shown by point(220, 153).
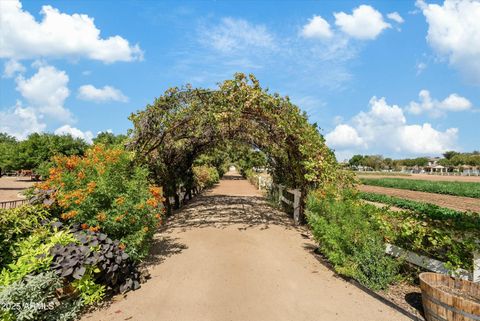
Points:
point(426, 177)
point(229, 256)
point(454, 202)
point(11, 187)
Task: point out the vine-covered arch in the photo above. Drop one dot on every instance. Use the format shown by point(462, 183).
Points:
point(182, 124)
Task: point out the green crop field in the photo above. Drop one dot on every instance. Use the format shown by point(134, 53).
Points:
point(468, 189)
point(467, 219)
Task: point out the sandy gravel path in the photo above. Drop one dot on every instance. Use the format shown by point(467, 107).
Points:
point(229, 256)
point(11, 187)
point(454, 202)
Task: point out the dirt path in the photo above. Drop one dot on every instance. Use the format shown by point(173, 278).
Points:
point(454, 202)
point(426, 177)
point(229, 256)
point(11, 187)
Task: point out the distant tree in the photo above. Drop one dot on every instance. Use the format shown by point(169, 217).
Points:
point(39, 148)
point(388, 163)
point(465, 159)
point(411, 162)
point(109, 139)
point(373, 161)
point(356, 160)
point(449, 154)
point(8, 146)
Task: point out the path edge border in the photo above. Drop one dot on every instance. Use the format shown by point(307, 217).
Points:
point(315, 252)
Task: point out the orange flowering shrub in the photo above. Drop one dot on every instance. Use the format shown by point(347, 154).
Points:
point(104, 191)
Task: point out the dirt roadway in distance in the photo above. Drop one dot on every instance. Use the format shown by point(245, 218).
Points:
point(11, 187)
point(228, 256)
point(458, 203)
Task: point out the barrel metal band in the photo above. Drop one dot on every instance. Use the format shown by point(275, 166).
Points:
point(453, 309)
point(433, 315)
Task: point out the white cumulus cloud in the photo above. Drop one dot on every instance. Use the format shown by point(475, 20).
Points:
point(454, 33)
point(317, 27)
point(20, 121)
point(12, 67)
point(364, 23)
point(424, 139)
point(57, 35)
point(75, 132)
point(46, 91)
point(384, 129)
point(343, 136)
point(436, 108)
point(107, 93)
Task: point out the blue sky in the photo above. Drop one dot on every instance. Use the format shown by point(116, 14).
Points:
point(400, 78)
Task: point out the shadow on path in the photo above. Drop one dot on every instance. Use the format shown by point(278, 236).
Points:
point(163, 247)
point(221, 211)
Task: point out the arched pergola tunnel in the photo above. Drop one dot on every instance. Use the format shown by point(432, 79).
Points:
point(186, 122)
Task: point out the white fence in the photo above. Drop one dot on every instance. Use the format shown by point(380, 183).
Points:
point(435, 265)
point(295, 204)
point(264, 183)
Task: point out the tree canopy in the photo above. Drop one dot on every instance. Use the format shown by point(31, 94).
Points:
point(36, 150)
point(184, 123)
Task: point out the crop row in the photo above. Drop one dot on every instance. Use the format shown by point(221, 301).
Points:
point(468, 189)
point(467, 220)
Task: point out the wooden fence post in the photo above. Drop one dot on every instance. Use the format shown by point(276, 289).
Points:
point(476, 267)
point(296, 206)
point(280, 194)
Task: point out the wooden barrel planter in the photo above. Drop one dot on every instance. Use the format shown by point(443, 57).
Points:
point(449, 299)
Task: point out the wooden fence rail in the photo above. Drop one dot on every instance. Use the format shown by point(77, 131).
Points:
point(295, 204)
point(435, 265)
point(267, 184)
point(12, 204)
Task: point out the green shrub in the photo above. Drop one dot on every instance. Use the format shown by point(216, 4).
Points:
point(35, 298)
point(374, 269)
point(442, 239)
point(205, 176)
point(104, 191)
point(16, 224)
point(350, 239)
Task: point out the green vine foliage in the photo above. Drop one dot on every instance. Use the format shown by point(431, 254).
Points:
point(184, 123)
